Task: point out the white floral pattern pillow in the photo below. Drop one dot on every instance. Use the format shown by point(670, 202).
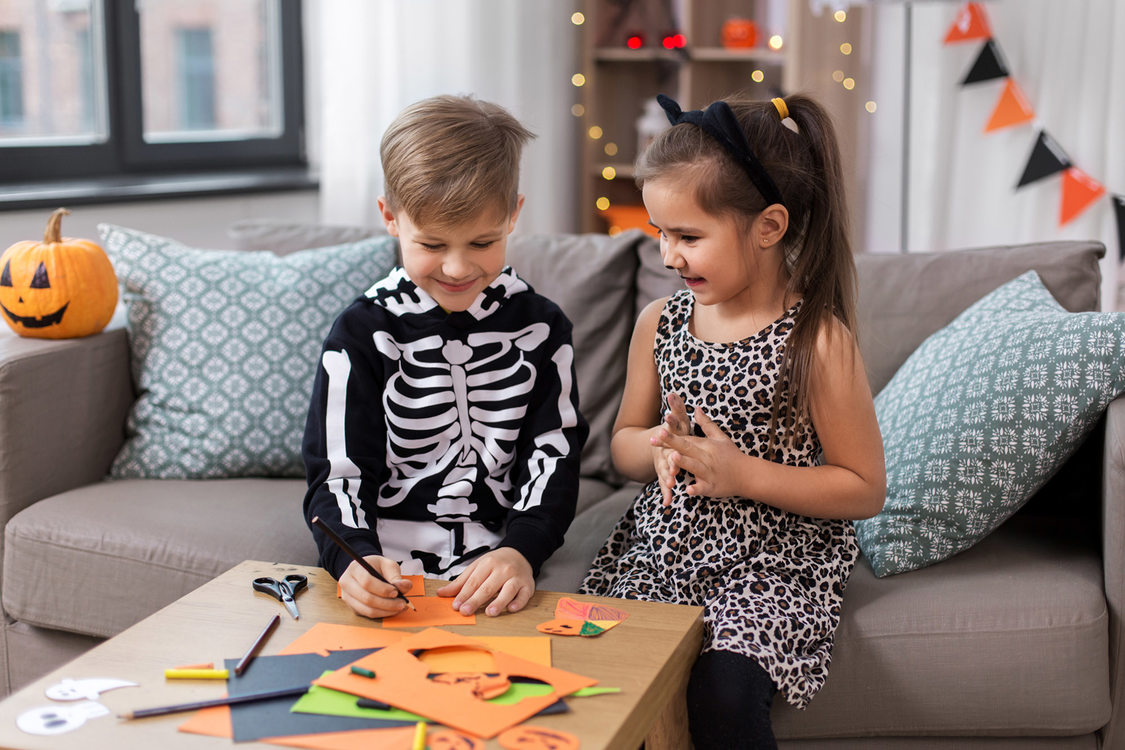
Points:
point(982, 414)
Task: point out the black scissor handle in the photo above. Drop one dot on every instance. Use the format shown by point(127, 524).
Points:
point(296, 582)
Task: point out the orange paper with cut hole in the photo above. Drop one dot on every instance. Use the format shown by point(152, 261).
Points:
point(581, 618)
point(403, 683)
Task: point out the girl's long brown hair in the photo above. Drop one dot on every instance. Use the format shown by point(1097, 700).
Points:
point(818, 254)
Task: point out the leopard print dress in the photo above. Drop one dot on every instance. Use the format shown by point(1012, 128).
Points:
point(771, 582)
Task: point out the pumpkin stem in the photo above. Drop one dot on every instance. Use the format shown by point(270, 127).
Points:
point(54, 226)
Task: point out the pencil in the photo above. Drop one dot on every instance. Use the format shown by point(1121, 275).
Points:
point(253, 650)
point(420, 736)
point(195, 674)
point(356, 556)
point(226, 700)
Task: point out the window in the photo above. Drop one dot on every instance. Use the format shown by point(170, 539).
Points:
point(11, 82)
point(116, 88)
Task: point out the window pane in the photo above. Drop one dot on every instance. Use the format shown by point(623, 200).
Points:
point(210, 69)
point(51, 72)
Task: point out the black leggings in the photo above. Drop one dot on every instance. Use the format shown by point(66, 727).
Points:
point(728, 699)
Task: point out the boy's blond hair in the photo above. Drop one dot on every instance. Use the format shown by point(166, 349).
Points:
point(448, 158)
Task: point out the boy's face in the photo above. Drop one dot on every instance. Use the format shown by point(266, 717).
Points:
point(453, 264)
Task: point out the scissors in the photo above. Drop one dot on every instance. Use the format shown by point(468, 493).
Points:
point(283, 590)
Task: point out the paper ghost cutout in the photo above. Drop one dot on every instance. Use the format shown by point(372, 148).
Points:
point(88, 689)
point(59, 719)
point(581, 618)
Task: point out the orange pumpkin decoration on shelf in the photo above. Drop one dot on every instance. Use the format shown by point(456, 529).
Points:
point(59, 288)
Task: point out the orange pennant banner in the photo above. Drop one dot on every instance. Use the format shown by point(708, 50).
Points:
point(969, 24)
point(1012, 109)
point(1079, 190)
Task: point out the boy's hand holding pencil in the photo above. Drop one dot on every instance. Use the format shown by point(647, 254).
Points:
point(372, 586)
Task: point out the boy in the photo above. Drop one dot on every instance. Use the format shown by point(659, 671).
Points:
point(444, 432)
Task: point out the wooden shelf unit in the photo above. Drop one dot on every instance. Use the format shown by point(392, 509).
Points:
point(619, 80)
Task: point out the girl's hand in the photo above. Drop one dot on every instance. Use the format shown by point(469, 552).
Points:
point(713, 459)
point(367, 595)
point(676, 422)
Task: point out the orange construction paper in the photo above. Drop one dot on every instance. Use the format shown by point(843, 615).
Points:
point(969, 24)
point(1079, 190)
point(391, 738)
point(534, 648)
point(213, 722)
point(526, 737)
point(428, 611)
point(403, 683)
point(1012, 109)
point(324, 637)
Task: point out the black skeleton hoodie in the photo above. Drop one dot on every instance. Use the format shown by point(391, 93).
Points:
point(434, 437)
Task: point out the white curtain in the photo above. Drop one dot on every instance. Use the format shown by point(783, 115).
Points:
point(374, 57)
point(1068, 60)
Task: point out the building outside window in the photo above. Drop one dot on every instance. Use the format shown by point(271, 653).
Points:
point(95, 88)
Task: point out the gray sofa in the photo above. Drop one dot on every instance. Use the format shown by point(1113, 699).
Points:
point(1015, 643)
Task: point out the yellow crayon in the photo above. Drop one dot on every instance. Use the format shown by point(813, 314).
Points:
point(196, 674)
point(420, 736)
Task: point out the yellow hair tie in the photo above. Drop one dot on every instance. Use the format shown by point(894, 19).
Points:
point(782, 110)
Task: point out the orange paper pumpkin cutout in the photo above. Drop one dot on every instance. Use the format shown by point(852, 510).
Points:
point(449, 740)
point(480, 685)
point(526, 737)
point(1012, 109)
point(581, 618)
point(1079, 190)
point(969, 24)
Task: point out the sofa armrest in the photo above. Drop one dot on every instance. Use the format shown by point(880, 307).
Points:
point(64, 404)
point(1113, 557)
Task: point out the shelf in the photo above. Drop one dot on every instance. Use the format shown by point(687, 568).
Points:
point(723, 54)
point(643, 55)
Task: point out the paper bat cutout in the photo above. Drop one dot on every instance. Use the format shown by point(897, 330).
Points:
point(581, 618)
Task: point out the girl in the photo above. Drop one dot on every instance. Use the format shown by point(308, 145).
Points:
point(765, 439)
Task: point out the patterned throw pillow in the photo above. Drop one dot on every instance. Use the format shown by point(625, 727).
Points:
point(224, 346)
point(982, 414)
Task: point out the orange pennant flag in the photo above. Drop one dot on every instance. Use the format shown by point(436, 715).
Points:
point(1012, 109)
point(969, 24)
point(1079, 190)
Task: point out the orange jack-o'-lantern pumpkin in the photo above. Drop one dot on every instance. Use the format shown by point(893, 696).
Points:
point(740, 33)
point(58, 288)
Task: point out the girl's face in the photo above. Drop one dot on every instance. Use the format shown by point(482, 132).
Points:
point(711, 253)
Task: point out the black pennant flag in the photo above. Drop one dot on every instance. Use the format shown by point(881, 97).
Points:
point(1119, 209)
point(1047, 158)
point(989, 65)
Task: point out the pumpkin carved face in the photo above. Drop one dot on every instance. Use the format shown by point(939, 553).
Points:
point(58, 288)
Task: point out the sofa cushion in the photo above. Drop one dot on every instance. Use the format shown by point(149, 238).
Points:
point(589, 276)
point(892, 323)
point(982, 415)
point(1007, 639)
point(97, 559)
point(282, 237)
point(224, 347)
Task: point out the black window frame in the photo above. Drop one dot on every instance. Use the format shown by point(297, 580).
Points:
point(126, 154)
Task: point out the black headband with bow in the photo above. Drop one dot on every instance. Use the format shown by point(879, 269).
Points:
point(719, 122)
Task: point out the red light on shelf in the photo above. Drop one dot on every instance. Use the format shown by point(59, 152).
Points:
point(635, 41)
point(674, 41)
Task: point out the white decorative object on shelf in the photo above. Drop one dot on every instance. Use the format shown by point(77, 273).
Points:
point(650, 124)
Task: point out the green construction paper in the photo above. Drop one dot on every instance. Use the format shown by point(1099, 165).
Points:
point(321, 700)
point(587, 692)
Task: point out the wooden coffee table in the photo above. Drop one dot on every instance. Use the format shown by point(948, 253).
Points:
point(648, 657)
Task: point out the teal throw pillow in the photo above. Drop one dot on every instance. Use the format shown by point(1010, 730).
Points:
point(982, 414)
point(224, 345)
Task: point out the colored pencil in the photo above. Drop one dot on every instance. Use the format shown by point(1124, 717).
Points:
point(227, 700)
point(356, 556)
point(253, 650)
